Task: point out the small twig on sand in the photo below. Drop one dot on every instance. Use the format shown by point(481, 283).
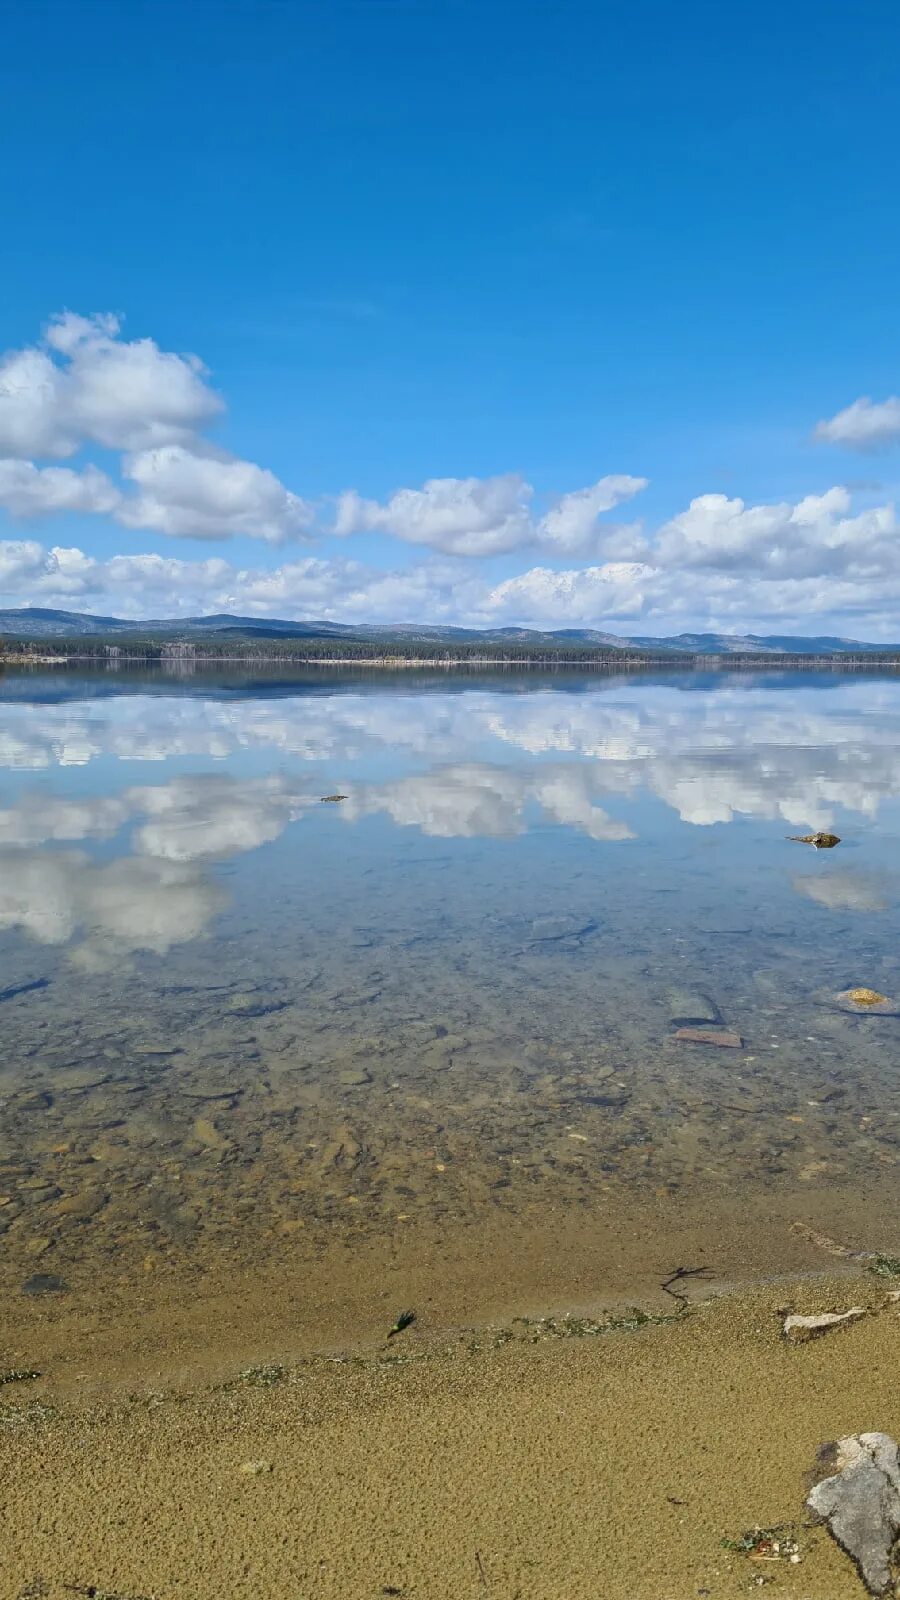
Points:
point(678, 1276)
point(481, 1572)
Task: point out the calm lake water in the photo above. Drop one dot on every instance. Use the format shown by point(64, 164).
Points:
point(234, 1016)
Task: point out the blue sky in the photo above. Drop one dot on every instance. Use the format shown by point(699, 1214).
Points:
point(465, 261)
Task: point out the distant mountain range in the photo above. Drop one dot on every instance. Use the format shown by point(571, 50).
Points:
point(35, 622)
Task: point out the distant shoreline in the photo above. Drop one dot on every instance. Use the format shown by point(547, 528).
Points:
point(624, 663)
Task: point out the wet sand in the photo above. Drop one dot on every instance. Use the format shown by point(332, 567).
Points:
point(182, 1319)
point(520, 1460)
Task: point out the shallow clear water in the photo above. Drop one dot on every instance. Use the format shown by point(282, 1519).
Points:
point(231, 1012)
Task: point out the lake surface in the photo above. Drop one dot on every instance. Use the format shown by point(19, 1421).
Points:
point(244, 1026)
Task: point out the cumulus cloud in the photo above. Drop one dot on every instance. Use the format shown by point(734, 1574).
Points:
point(122, 394)
point(819, 533)
point(30, 491)
point(842, 575)
point(209, 496)
point(570, 527)
point(485, 516)
point(864, 425)
point(721, 563)
point(585, 594)
point(87, 385)
point(459, 516)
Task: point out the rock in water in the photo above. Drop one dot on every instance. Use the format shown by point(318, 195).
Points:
point(819, 841)
point(44, 1283)
point(860, 1502)
point(690, 1006)
point(867, 1002)
point(723, 1038)
point(354, 1077)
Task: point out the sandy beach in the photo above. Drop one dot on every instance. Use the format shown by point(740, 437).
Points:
point(526, 1459)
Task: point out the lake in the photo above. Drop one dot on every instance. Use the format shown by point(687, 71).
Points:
point(360, 984)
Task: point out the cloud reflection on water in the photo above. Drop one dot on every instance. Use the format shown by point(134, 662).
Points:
point(476, 764)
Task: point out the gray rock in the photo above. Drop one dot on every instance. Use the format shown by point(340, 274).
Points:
point(860, 1502)
point(255, 1005)
point(689, 1005)
point(354, 1077)
point(798, 1329)
point(44, 1283)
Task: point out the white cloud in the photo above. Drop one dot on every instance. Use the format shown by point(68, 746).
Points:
point(864, 425)
point(86, 385)
point(570, 528)
point(128, 394)
point(209, 496)
point(181, 493)
point(32, 415)
point(589, 595)
point(458, 516)
point(843, 576)
point(122, 394)
point(818, 538)
point(30, 491)
point(486, 516)
point(721, 563)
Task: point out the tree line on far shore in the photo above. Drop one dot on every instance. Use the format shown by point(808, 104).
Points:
point(222, 647)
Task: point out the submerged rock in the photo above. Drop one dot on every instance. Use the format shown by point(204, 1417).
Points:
point(354, 1077)
point(867, 1002)
point(723, 1038)
point(798, 1329)
point(206, 1133)
point(819, 841)
point(44, 1283)
point(859, 1500)
point(83, 1205)
point(255, 1005)
point(689, 1005)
